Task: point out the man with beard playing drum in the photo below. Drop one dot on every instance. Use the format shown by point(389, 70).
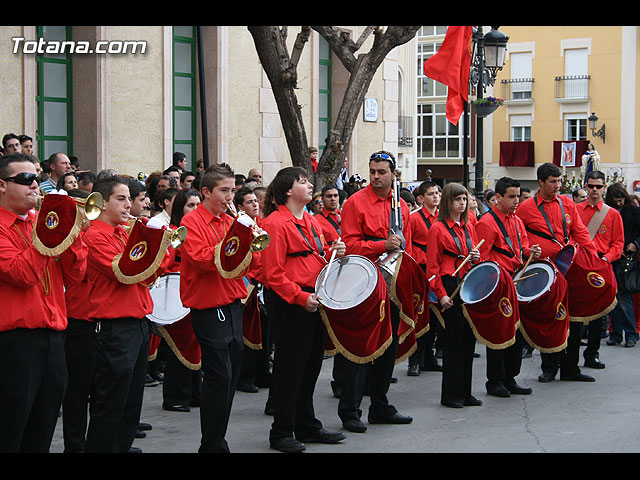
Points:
point(553, 222)
point(366, 231)
point(505, 242)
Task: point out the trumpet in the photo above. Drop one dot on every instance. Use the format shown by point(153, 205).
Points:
point(260, 239)
point(178, 235)
point(92, 205)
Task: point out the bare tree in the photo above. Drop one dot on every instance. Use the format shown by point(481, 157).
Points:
point(281, 70)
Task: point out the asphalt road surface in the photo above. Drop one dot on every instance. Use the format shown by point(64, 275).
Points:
point(558, 417)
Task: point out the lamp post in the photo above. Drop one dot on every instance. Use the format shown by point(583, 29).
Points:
point(593, 124)
point(487, 59)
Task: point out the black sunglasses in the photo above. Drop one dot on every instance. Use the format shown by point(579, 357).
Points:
point(595, 186)
point(22, 178)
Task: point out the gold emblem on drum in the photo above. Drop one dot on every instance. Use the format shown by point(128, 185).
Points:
point(505, 307)
point(595, 280)
point(138, 251)
point(561, 311)
point(51, 220)
point(382, 311)
point(232, 246)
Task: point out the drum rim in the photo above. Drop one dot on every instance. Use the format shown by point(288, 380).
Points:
point(548, 264)
point(476, 266)
point(574, 249)
point(320, 291)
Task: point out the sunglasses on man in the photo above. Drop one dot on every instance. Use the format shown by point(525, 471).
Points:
point(22, 178)
point(595, 186)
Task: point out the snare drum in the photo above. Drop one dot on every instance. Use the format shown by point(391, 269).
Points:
point(592, 283)
point(543, 302)
point(167, 306)
point(354, 306)
point(490, 304)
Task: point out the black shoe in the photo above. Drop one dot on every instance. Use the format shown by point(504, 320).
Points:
point(577, 377)
point(354, 425)
point(248, 388)
point(393, 380)
point(498, 391)
point(268, 409)
point(413, 371)
point(516, 389)
point(594, 363)
point(140, 434)
point(176, 408)
point(134, 450)
point(144, 426)
point(432, 367)
point(149, 381)
point(451, 404)
point(396, 419)
point(527, 353)
point(322, 436)
point(546, 377)
point(472, 402)
point(629, 343)
point(287, 445)
point(158, 376)
point(613, 341)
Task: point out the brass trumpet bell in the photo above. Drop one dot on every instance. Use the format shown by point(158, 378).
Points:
point(92, 205)
point(178, 236)
point(260, 240)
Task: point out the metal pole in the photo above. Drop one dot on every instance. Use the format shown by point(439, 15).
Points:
point(203, 101)
point(465, 146)
point(479, 130)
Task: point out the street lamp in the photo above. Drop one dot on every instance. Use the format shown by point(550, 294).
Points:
point(487, 59)
point(593, 124)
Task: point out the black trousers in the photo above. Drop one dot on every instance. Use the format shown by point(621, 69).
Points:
point(566, 360)
point(122, 347)
point(219, 332)
point(33, 379)
point(299, 337)
point(458, 350)
point(594, 337)
point(79, 350)
point(374, 376)
point(181, 385)
point(503, 366)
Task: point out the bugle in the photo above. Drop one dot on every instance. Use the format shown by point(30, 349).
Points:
point(92, 205)
point(177, 235)
point(260, 239)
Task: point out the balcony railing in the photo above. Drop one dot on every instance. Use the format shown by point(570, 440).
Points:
point(517, 89)
point(570, 88)
point(405, 131)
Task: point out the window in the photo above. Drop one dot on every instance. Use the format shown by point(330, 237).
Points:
point(324, 94)
point(520, 75)
point(575, 129)
point(576, 71)
point(53, 98)
point(184, 92)
point(436, 137)
point(520, 128)
point(428, 87)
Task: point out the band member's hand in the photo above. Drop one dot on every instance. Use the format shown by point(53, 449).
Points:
point(632, 247)
point(446, 302)
point(536, 251)
point(339, 247)
point(394, 242)
point(312, 303)
point(475, 255)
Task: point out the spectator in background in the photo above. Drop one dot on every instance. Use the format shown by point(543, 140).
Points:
point(26, 144)
point(186, 180)
point(579, 195)
point(11, 144)
point(180, 161)
point(59, 164)
point(260, 194)
point(67, 182)
point(256, 175)
point(86, 181)
point(175, 173)
point(313, 153)
point(165, 202)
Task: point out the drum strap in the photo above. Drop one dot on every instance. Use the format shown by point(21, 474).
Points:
point(426, 221)
point(333, 223)
point(546, 219)
point(507, 238)
point(457, 240)
point(420, 246)
point(317, 241)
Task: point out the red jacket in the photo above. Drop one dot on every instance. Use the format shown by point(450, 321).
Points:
point(330, 223)
point(609, 239)
point(292, 261)
point(420, 226)
point(31, 284)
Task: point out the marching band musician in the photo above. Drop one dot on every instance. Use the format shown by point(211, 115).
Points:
point(215, 303)
point(450, 240)
point(505, 242)
point(33, 373)
point(421, 221)
point(122, 332)
point(366, 229)
point(553, 222)
point(291, 265)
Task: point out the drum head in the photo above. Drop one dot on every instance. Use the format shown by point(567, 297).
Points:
point(540, 278)
point(480, 282)
point(351, 280)
point(167, 306)
point(564, 259)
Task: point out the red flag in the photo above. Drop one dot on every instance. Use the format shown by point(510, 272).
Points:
point(450, 66)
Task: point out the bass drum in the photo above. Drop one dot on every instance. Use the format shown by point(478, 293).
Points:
point(167, 306)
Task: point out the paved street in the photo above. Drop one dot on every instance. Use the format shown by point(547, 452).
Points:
point(560, 416)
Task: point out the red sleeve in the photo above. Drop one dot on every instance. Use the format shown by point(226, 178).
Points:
point(486, 230)
point(353, 219)
point(435, 258)
point(617, 236)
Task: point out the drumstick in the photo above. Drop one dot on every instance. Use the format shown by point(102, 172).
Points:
point(526, 264)
point(333, 256)
point(522, 278)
